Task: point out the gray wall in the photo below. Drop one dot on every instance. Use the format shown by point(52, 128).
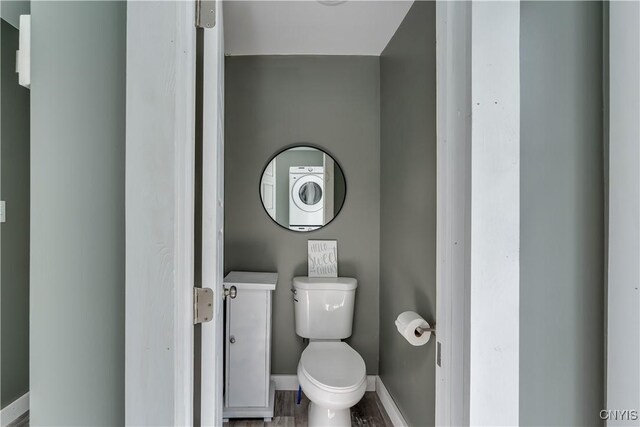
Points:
point(408, 209)
point(14, 251)
point(333, 103)
point(12, 9)
point(562, 208)
point(77, 222)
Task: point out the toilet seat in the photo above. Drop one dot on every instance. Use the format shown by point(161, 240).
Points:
point(333, 366)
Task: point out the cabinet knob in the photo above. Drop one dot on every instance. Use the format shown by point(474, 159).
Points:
point(232, 340)
point(231, 292)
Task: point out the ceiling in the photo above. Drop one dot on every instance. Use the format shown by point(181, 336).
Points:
point(308, 27)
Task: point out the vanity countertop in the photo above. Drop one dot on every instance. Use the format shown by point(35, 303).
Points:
point(251, 280)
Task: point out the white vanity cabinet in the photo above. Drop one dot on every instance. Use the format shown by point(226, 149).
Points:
point(249, 392)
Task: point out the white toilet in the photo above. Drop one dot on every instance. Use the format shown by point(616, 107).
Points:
point(332, 374)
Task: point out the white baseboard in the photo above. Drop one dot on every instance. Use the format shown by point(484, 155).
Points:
point(389, 405)
point(285, 382)
point(14, 410)
point(290, 382)
point(371, 382)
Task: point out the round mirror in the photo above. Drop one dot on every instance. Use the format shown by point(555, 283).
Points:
point(302, 188)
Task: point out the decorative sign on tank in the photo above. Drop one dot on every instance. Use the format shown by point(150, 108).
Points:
point(323, 258)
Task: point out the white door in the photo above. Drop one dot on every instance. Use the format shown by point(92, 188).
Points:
point(268, 189)
point(211, 374)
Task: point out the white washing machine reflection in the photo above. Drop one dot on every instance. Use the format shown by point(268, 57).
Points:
point(306, 197)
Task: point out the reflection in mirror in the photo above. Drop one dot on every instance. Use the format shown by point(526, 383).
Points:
point(302, 188)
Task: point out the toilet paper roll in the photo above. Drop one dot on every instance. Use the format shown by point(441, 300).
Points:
point(407, 323)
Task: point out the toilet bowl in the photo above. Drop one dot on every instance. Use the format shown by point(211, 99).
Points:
point(333, 377)
point(332, 374)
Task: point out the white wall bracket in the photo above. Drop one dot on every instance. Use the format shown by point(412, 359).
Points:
point(23, 54)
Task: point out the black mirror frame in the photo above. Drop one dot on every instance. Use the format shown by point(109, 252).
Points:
point(301, 145)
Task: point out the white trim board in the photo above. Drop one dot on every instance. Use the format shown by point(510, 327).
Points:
point(389, 405)
point(14, 410)
point(290, 382)
point(495, 214)
point(285, 382)
point(623, 300)
point(211, 115)
point(453, 70)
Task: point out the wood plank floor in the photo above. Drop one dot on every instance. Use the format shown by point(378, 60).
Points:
point(368, 412)
point(22, 421)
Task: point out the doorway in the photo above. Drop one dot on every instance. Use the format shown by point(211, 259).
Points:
point(14, 223)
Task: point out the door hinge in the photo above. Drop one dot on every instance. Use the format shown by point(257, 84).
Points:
point(202, 305)
point(205, 13)
point(439, 354)
point(3, 217)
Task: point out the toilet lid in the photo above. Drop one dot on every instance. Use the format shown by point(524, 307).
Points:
point(333, 365)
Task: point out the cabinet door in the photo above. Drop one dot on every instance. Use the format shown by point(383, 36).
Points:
point(247, 341)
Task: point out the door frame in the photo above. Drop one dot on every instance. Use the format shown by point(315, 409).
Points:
point(478, 134)
point(212, 258)
point(453, 182)
point(160, 135)
point(159, 195)
point(622, 346)
point(160, 188)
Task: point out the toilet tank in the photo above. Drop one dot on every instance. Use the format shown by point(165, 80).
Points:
point(323, 306)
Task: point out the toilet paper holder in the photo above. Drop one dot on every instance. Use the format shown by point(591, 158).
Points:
point(420, 330)
point(414, 328)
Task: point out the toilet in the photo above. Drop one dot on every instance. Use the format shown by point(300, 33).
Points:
point(330, 372)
